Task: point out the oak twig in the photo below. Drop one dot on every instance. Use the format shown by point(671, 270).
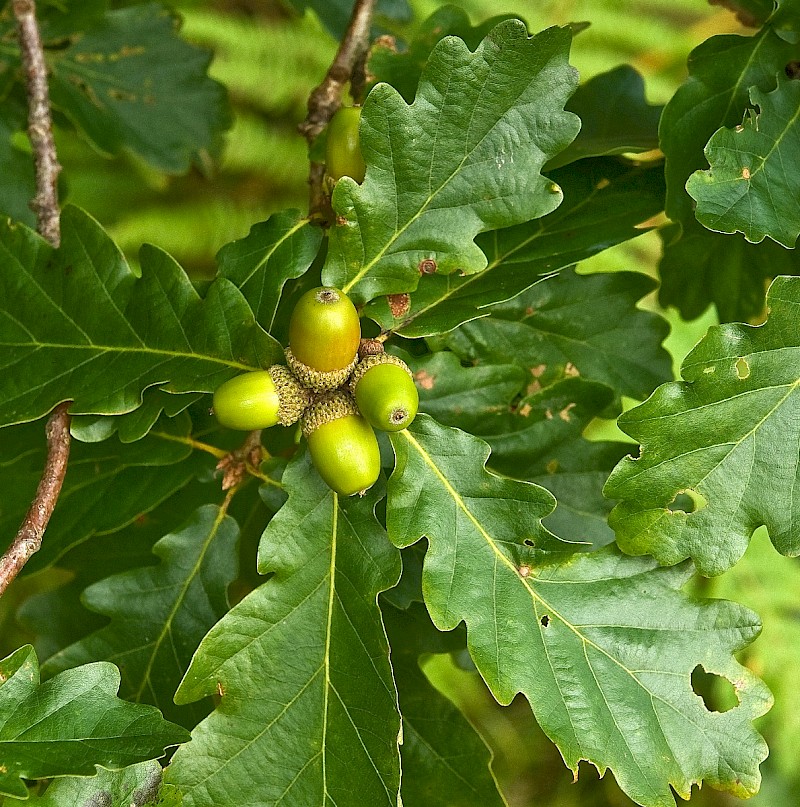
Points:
point(40, 124)
point(349, 64)
point(28, 539)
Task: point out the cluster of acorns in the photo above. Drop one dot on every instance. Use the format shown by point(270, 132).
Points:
point(338, 396)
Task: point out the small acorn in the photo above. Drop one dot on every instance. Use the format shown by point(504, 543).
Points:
point(384, 390)
point(324, 335)
point(343, 156)
point(260, 399)
point(342, 444)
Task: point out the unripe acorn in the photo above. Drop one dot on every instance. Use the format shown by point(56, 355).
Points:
point(260, 399)
point(342, 445)
point(324, 334)
point(342, 147)
point(385, 393)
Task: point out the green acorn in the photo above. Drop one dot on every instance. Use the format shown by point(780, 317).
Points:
point(384, 390)
point(343, 156)
point(260, 399)
point(342, 445)
point(324, 335)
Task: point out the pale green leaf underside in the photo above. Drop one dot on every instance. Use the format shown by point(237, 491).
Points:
point(77, 324)
point(729, 437)
point(308, 710)
point(751, 186)
point(603, 646)
point(72, 723)
point(464, 157)
point(160, 613)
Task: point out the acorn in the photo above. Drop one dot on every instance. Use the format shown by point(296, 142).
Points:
point(324, 335)
point(260, 399)
point(384, 391)
point(342, 444)
point(343, 156)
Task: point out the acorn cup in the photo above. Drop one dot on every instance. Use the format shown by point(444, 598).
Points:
point(384, 391)
point(324, 335)
point(260, 399)
point(342, 444)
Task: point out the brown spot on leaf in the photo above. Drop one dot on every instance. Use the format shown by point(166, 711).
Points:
point(524, 571)
point(548, 414)
point(539, 370)
point(745, 173)
point(427, 267)
point(533, 387)
point(525, 410)
point(792, 70)
point(552, 466)
point(603, 183)
point(399, 304)
point(564, 413)
point(571, 370)
point(424, 379)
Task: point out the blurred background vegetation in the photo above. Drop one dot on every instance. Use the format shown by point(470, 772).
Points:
point(269, 58)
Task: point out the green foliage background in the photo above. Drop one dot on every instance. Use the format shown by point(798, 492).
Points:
point(269, 58)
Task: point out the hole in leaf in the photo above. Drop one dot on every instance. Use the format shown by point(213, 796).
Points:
point(742, 368)
point(687, 501)
point(545, 620)
point(528, 542)
point(718, 693)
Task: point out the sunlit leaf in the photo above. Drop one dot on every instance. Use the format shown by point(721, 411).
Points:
point(750, 187)
point(307, 711)
point(604, 202)
point(603, 646)
point(458, 161)
point(726, 439)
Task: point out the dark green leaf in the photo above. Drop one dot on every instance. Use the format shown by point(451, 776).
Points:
point(135, 333)
point(56, 617)
point(17, 185)
point(160, 613)
point(573, 324)
point(727, 437)
point(472, 398)
point(108, 485)
point(460, 160)
point(602, 646)
point(71, 723)
point(435, 459)
point(307, 712)
point(130, 82)
point(445, 762)
point(402, 69)
point(604, 202)
point(276, 250)
point(134, 786)
point(750, 187)
point(537, 437)
point(615, 117)
point(133, 425)
point(721, 72)
point(703, 268)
